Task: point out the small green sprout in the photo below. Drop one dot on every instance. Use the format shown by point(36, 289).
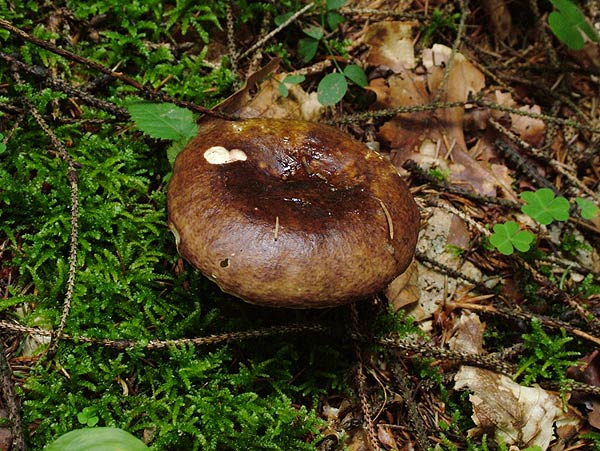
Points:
point(507, 237)
point(88, 417)
point(2, 145)
point(289, 80)
point(569, 25)
point(543, 206)
point(333, 87)
point(589, 210)
point(164, 121)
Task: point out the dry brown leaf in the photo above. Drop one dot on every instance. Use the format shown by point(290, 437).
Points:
point(386, 438)
point(404, 289)
point(267, 102)
point(468, 334)
point(391, 44)
point(407, 133)
point(529, 129)
point(499, 17)
point(433, 285)
point(517, 415)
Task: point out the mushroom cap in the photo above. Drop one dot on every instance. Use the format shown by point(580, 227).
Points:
point(290, 213)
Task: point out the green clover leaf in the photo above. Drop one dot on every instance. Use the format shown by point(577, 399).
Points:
point(569, 25)
point(332, 89)
point(289, 80)
point(589, 209)
point(543, 206)
point(507, 237)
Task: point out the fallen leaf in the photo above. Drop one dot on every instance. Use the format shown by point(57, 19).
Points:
point(531, 130)
point(517, 415)
point(406, 132)
point(512, 413)
point(391, 44)
point(404, 289)
point(468, 334)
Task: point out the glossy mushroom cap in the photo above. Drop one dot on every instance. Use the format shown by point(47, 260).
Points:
point(290, 213)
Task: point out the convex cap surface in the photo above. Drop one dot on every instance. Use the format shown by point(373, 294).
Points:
point(290, 213)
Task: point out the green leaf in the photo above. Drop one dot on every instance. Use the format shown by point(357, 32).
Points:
point(289, 79)
point(334, 19)
point(314, 32)
point(544, 207)
point(570, 25)
point(589, 209)
point(335, 4)
point(174, 149)
point(97, 439)
point(507, 236)
point(282, 18)
point(163, 120)
point(356, 74)
point(307, 48)
point(332, 89)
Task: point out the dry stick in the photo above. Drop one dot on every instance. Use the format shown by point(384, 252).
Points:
point(72, 178)
point(233, 54)
point(544, 117)
point(406, 390)
point(550, 52)
point(558, 167)
point(525, 316)
point(9, 399)
point(65, 87)
point(377, 114)
point(424, 176)
point(118, 75)
point(162, 344)
point(459, 35)
point(262, 41)
point(361, 384)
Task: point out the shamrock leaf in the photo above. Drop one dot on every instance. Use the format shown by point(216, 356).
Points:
point(507, 237)
point(589, 210)
point(543, 206)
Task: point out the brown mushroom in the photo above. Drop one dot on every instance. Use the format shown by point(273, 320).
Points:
point(290, 213)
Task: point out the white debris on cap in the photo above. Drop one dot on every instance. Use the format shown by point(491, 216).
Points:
point(220, 155)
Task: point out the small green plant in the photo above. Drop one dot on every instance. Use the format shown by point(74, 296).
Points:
point(507, 237)
point(164, 121)
point(332, 87)
point(542, 206)
point(569, 25)
point(546, 357)
point(88, 417)
point(289, 80)
point(97, 439)
point(588, 209)
point(439, 20)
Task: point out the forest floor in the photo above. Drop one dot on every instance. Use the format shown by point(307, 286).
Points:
point(490, 340)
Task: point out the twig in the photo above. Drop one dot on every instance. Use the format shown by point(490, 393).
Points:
point(406, 390)
point(423, 176)
point(65, 87)
point(258, 44)
point(459, 35)
point(9, 399)
point(72, 179)
point(361, 385)
point(152, 94)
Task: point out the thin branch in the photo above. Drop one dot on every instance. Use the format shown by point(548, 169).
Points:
point(151, 93)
